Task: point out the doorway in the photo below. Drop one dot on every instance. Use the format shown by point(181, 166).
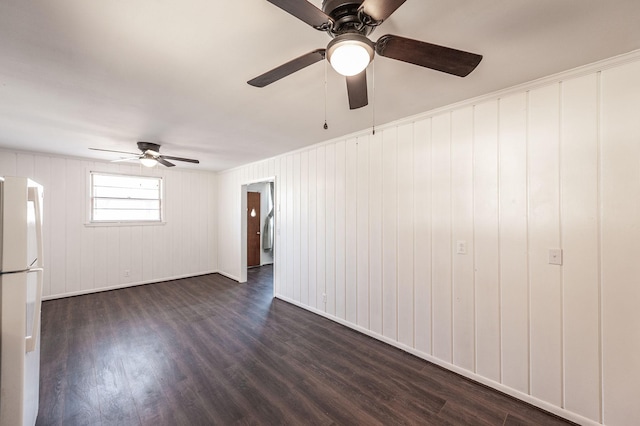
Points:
point(253, 229)
point(258, 221)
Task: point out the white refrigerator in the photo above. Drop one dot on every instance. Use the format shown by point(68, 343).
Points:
point(20, 299)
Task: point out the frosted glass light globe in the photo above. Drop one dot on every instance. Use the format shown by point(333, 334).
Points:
point(350, 54)
point(148, 161)
point(350, 59)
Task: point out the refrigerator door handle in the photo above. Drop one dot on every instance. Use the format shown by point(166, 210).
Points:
point(31, 339)
point(34, 197)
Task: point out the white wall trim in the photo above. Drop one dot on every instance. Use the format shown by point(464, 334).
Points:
point(134, 284)
point(224, 274)
point(468, 374)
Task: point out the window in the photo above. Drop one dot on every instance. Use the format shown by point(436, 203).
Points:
point(123, 198)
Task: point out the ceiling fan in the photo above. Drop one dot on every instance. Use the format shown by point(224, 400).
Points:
point(349, 22)
point(149, 155)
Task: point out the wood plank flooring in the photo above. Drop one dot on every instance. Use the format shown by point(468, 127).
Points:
point(206, 350)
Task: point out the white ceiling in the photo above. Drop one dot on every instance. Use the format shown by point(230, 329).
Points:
point(76, 74)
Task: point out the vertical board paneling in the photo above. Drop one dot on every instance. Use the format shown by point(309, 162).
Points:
point(422, 234)
point(214, 220)
point(58, 225)
point(514, 176)
point(280, 248)
point(25, 165)
point(405, 223)
point(304, 228)
point(486, 244)
point(390, 233)
point(579, 188)
point(544, 234)
point(148, 233)
point(441, 237)
point(296, 227)
point(514, 266)
point(136, 254)
point(321, 237)
point(290, 226)
point(81, 258)
point(175, 205)
point(375, 242)
point(363, 243)
point(313, 229)
point(620, 151)
point(340, 230)
point(462, 231)
point(74, 202)
point(351, 234)
point(330, 230)
point(8, 164)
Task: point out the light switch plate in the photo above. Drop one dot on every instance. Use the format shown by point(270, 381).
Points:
point(461, 247)
point(555, 256)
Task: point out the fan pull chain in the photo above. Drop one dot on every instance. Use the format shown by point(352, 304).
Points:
point(326, 126)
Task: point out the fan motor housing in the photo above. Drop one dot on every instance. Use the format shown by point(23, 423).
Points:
point(346, 17)
point(144, 146)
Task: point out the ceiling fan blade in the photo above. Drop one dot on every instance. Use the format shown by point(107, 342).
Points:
point(304, 11)
point(288, 68)
point(381, 9)
point(357, 90)
point(119, 160)
point(439, 58)
point(188, 160)
point(164, 162)
point(110, 150)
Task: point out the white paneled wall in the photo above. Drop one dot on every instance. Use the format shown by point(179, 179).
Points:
point(434, 235)
point(83, 259)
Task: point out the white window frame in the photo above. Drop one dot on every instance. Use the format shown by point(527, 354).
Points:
point(90, 210)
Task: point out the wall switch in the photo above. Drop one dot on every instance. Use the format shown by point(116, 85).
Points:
point(461, 247)
point(555, 256)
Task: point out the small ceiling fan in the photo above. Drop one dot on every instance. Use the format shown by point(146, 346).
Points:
point(348, 23)
point(149, 155)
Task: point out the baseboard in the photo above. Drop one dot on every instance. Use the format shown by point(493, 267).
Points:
point(125, 285)
point(558, 411)
point(224, 274)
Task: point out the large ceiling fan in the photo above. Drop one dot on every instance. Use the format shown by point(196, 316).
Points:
point(149, 155)
point(349, 22)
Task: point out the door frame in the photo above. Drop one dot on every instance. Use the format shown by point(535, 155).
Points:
point(243, 229)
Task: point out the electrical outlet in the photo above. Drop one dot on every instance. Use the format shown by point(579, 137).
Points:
point(324, 297)
point(555, 256)
point(461, 247)
point(127, 273)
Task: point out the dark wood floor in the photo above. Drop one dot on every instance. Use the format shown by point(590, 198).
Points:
point(207, 350)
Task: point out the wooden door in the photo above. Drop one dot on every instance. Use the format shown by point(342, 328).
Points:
point(253, 229)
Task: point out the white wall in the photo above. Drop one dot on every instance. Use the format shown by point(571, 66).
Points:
point(83, 259)
point(373, 223)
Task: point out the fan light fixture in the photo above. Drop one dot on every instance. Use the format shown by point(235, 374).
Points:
point(350, 54)
point(148, 160)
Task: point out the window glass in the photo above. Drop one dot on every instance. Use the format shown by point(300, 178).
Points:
point(124, 198)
